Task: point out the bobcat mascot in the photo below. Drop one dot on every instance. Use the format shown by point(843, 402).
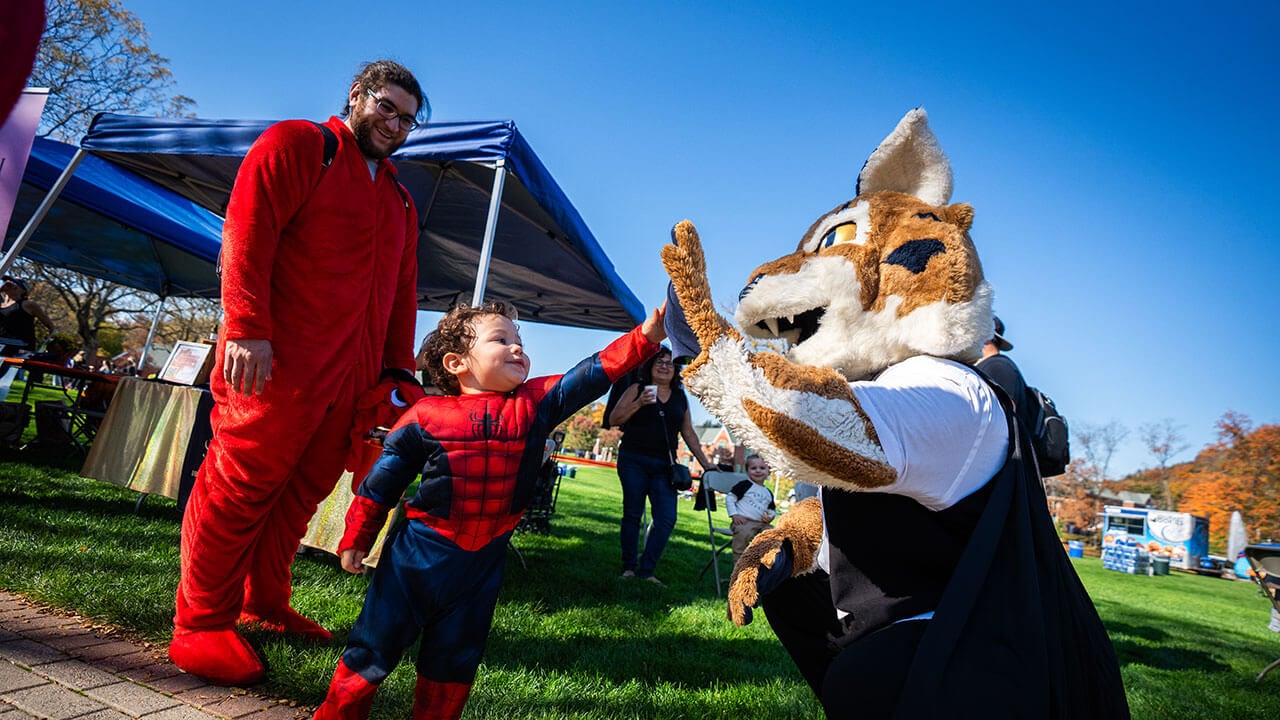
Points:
point(927, 579)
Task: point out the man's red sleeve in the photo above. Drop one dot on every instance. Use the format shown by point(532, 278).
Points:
point(275, 179)
point(399, 351)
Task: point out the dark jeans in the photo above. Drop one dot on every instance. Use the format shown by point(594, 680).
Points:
point(645, 477)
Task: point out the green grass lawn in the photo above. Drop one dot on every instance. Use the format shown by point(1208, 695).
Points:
point(573, 640)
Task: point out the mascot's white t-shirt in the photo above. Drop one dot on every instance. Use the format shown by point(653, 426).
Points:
point(941, 427)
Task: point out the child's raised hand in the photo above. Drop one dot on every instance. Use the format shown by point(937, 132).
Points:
point(654, 326)
point(351, 559)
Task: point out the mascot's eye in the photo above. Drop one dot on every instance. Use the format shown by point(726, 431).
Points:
point(839, 235)
point(928, 216)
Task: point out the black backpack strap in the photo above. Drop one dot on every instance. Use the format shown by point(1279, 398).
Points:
point(404, 194)
point(330, 145)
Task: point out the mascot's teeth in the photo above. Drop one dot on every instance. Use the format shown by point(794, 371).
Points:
point(773, 326)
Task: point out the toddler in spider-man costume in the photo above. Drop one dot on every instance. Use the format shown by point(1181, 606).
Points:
point(478, 448)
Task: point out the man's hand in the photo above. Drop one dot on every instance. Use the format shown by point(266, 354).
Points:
point(654, 326)
point(351, 559)
point(246, 365)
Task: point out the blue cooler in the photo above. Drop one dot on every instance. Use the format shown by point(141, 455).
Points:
point(1075, 548)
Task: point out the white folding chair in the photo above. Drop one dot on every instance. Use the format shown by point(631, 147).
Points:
point(718, 481)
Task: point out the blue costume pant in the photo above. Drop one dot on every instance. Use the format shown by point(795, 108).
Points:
point(426, 585)
point(645, 477)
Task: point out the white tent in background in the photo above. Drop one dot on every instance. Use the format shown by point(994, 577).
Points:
point(1237, 538)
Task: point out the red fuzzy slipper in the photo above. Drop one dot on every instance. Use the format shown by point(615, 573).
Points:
point(220, 657)
point(288, 621)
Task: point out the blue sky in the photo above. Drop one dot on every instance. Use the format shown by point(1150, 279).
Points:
point(1121, 157)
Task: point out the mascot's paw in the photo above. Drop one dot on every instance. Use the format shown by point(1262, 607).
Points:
point(687, 268)
point(287, 621)
point(760, 570)
point(220, 657)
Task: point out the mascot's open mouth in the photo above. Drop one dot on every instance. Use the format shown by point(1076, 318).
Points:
point(795, 328)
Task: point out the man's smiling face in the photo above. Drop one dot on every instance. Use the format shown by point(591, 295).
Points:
point(377, 135)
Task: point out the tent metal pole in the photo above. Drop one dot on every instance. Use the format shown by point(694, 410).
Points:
point(151, 334)
point(490, 229)
point(38, 216)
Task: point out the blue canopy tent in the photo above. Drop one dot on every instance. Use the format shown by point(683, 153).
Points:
point(112, 224)
point(87, 215)
point(494, 223)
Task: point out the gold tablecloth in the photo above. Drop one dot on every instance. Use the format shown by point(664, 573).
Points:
point(142, 441)
point(327, 525)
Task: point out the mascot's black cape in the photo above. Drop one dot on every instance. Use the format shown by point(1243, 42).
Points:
point(1015, 603)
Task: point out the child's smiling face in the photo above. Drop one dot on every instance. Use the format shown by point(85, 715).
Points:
point(757, 470)
point(496, 361)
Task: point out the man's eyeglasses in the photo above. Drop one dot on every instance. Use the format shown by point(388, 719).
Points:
point(389, 111)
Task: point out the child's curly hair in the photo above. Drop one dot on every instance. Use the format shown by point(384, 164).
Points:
point(455, 334)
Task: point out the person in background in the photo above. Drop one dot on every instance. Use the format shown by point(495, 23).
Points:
point(652, 410)
point(1002, 370)
point(18, 317)
point(750, 506)
point(477, 448)
point(319, 293)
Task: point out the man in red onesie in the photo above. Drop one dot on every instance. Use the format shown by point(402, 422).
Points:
point(319, 276)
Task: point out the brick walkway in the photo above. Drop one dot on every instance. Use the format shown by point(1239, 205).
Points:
point(58, 667)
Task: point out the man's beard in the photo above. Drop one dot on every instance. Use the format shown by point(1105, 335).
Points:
point(362, 128)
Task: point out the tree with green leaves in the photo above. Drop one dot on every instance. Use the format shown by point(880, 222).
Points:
point(94, 57)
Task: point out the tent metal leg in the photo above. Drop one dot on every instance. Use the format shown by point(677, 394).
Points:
point(38, 216)
point(490, 228)
point(1266, 670)
point(519, 555)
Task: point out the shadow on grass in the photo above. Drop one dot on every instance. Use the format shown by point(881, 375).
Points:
point(99, 507)
point(699, 662)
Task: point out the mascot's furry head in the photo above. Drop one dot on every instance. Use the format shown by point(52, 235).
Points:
point(888, 275)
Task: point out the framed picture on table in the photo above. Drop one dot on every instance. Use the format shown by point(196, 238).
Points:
point(188, 364)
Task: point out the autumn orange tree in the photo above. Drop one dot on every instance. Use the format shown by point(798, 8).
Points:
point(1239, 472)
point(585, 427)
point(1070, 502)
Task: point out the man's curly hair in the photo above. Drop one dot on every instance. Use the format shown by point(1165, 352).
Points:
point(455, 334)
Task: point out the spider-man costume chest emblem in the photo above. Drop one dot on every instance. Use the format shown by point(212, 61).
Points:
point(484, 425)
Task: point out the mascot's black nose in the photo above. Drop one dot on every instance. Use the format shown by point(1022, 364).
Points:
point(914, 254)
point(747, 290)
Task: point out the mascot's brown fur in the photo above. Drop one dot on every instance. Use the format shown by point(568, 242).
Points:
point(890, 279)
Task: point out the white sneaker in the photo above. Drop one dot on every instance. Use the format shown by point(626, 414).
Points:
point(654, 580)
point(628, 573)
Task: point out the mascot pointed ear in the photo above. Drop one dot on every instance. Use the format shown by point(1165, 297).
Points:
point(909, 161)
